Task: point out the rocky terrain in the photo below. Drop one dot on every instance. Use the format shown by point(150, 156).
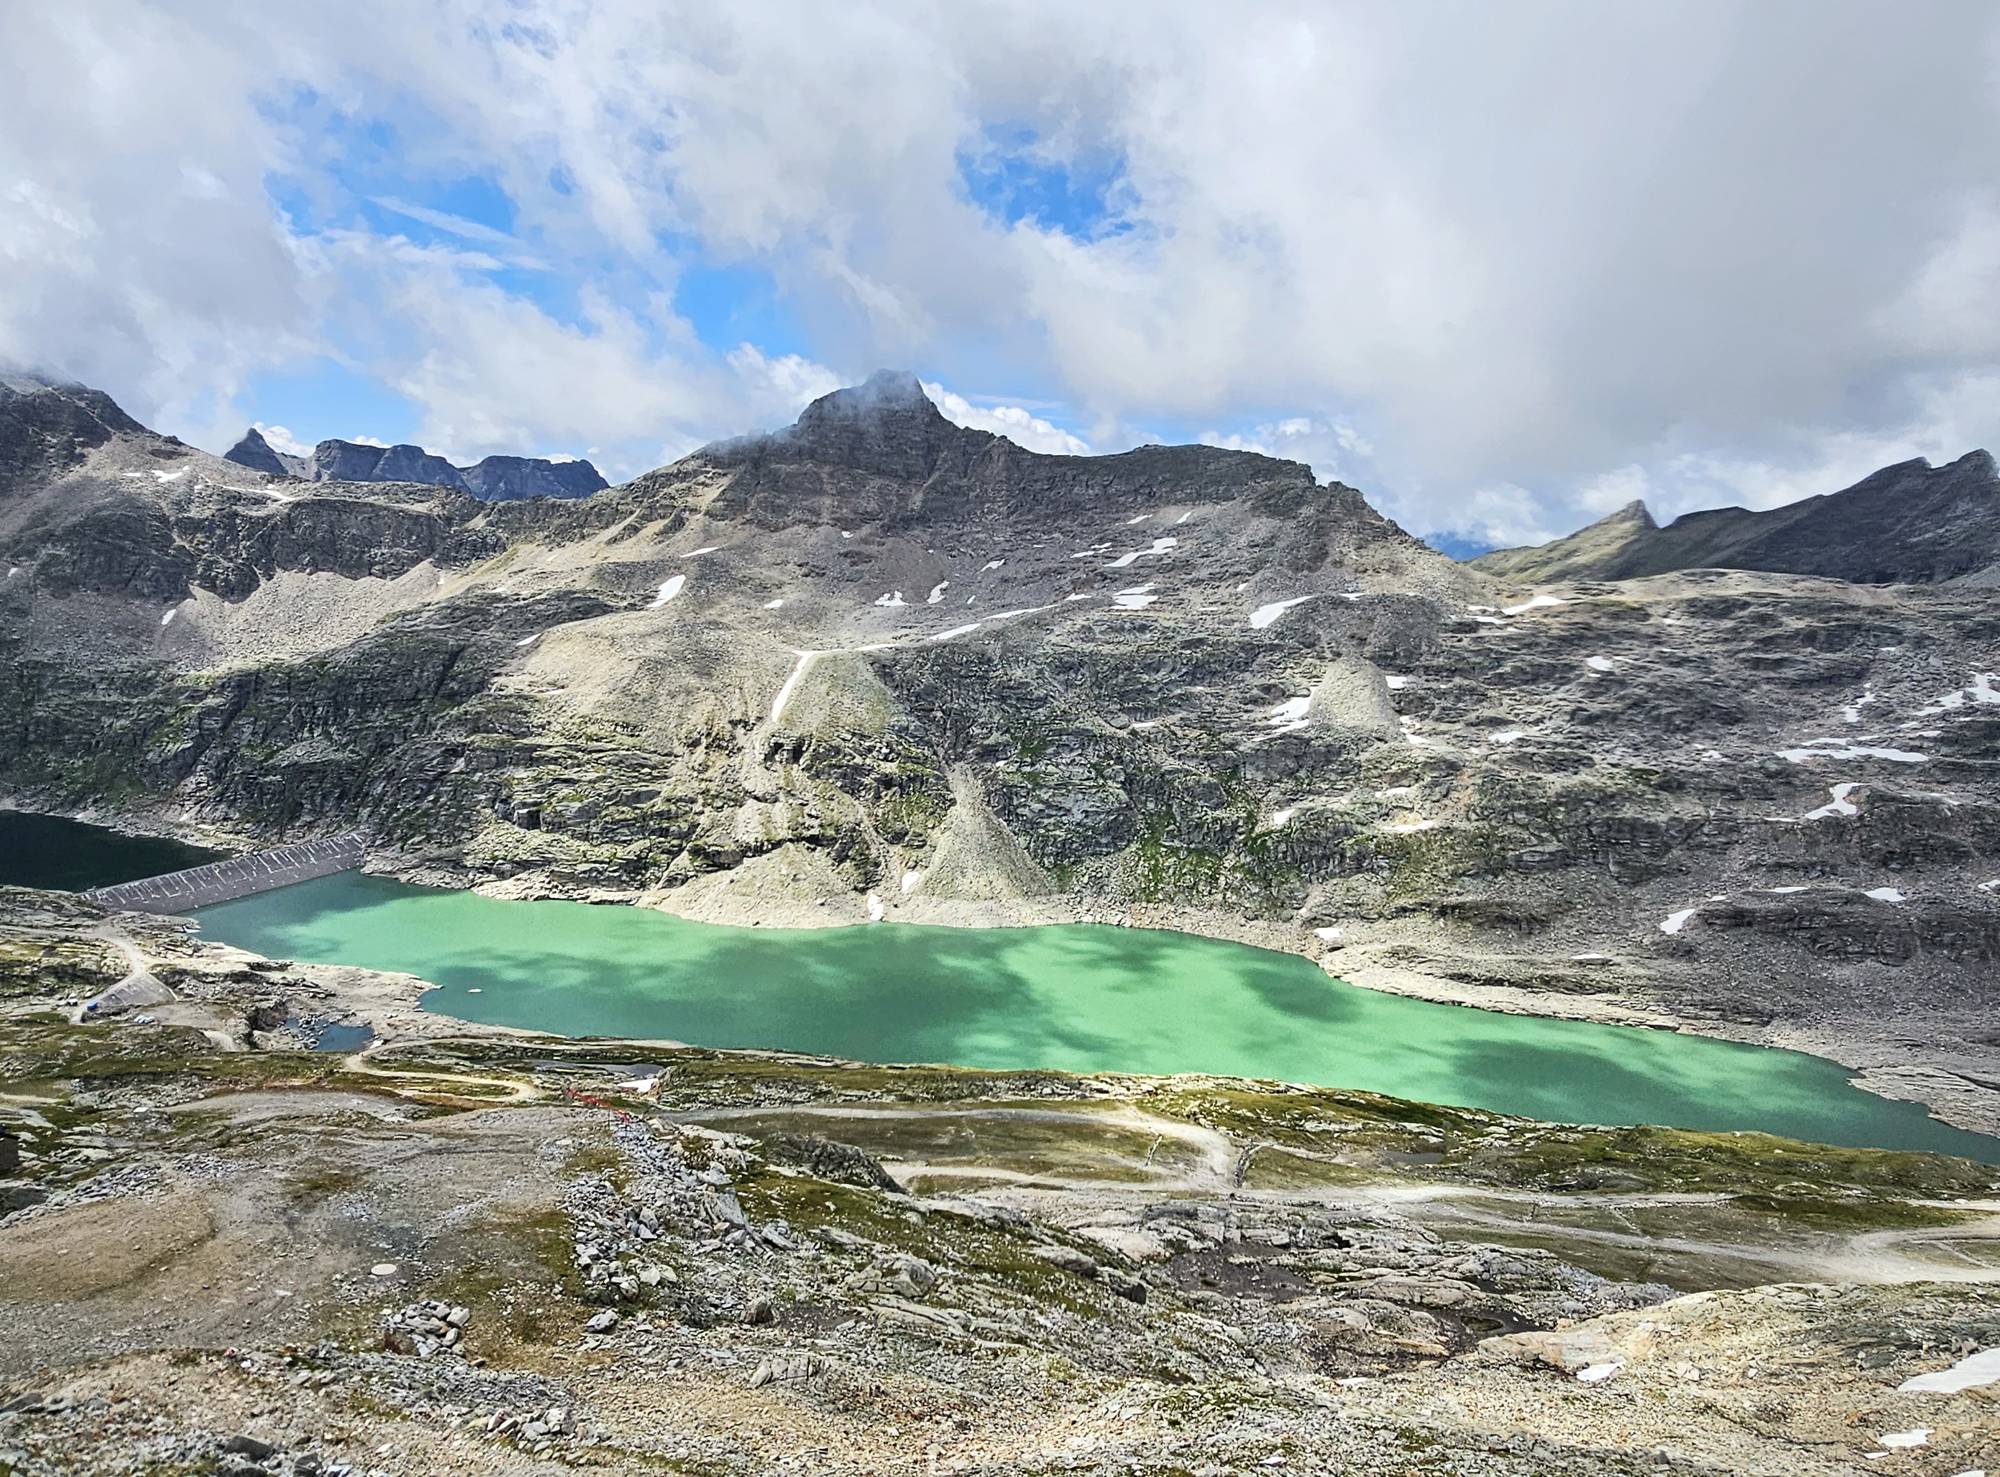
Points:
point(493, 478)
point(877, 662)
point(465, 1250)
point(1908, 524)
point(878, 665)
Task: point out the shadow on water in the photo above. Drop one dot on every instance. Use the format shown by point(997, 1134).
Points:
point(53, 851)
point(1079, 998)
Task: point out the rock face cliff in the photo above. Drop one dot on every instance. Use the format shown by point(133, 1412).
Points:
point(47, 428)
point(879, 653)
point(493, 479)
point(1907, 524)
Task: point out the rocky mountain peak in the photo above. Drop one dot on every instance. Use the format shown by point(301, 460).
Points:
point(1634, 514)
point(886, 426)
point(351, 461)
point(255, 452)
point(47, 425)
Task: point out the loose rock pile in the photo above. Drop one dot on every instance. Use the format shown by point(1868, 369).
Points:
point(534, 1429)
point(426, 1328)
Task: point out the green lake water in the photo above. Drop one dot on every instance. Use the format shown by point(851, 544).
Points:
point(1080, 998)
point(53, 851)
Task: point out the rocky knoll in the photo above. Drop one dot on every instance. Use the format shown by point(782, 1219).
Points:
point(877, 664)
point(1907, 524)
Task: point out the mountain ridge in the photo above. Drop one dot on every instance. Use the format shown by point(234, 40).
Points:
point(877, 653)
point(1907, 523)
point(497, 478)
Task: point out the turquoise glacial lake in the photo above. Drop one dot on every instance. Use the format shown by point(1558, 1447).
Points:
point(1080, 998)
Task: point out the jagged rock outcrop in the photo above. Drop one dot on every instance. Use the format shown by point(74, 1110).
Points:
point(1911, 523)
point(254, 452)
point(505, 478)
point(350, 461)
point(493, 479)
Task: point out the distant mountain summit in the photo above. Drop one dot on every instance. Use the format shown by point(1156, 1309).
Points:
point(255, 452)
point(1910, 523)
point(47, 426)
point(881, 454)
point(495, 479)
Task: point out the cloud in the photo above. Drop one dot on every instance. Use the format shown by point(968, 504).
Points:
point(1018, 424)
point(1483, 262)
point(786, 383)
point(282, 440)
point(1333, 449)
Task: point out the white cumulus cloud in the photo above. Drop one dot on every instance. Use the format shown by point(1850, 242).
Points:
point(1018, 424)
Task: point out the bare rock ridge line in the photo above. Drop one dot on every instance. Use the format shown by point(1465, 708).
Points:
point(492, 479)
point(234, 877)
point(1910, 523)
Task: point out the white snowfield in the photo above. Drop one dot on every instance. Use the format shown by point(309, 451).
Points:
point(876, 912)
point(1896, 1439)
point(937, 592)
point(1675, 922)
point(1980, 692)
point(704, 549)
point(1599, 663)
point(1971, 1372)
point(910, 880)
point(669, 587)
point(168, 619)
point(1263, 615)
point(1136, 598)
point(1839, 805)
point(1538, 602)
point(791, 683)
point(892, 599)
point(1838, 748)
point(956, 631)
point(991, 564)
point(1597, 1374)
point(1160, 546)
point(1510, 736)
point(1291, 713)
point(1282, 816)
point(529, 640)
point(1887, 895)
point(774, 604)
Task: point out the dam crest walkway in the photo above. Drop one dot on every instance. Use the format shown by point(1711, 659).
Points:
point(234, 877)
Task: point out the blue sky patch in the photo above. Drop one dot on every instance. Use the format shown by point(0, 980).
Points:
point(1014, 177)
point(323, 398)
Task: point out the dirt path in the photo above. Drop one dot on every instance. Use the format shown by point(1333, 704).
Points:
point(515, 1091)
